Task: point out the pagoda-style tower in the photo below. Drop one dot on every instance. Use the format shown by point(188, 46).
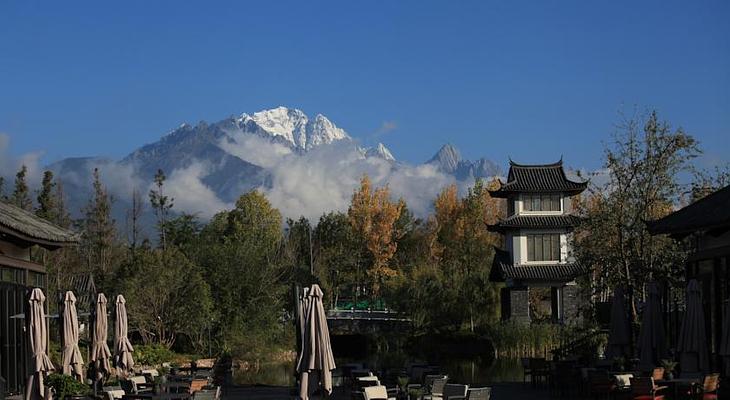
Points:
point(538, 240)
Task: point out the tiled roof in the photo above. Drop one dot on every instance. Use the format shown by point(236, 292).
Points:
point(538, 178)
point(27, 226)
point(710, 212)
point(535, 221)
point(503, 269)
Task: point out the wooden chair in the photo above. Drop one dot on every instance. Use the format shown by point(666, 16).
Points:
point(644, 388)
point(484, 393)
point(658, 373)
point(526, 370)
point(539, 370)
point(708, 389)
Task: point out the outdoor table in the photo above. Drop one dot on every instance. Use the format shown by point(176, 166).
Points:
point(678, 383)
point(176, 387)
point(159, 396)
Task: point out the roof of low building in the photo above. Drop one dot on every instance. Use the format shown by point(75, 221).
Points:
point(709, 213)
point(26, 226)
point(537, 178)
point(503, 269)
point(535, 221)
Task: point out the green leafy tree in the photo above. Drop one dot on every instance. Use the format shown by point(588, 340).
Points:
point(338, 256)
point(167, 297)
point(21, 193)
point(239, 251)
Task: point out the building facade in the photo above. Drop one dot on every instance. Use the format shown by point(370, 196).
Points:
point(537, 253)
point(704, 226)
point(20, 231)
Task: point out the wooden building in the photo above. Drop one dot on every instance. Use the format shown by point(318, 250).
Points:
point(538, 241)
point(705, 227)
point(20, 230)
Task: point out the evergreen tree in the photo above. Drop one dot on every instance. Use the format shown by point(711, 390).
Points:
point(98, 237)
point(161, 204)
point(47, 204)
point(63, 219)
point(2, 188)
point(21, 194)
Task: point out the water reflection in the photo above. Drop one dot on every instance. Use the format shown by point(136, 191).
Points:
point(471, 372)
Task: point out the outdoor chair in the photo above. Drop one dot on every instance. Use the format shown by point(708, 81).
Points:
point(362, 383)
point(135, 385)
point(644, 388)
point(436, 390)
point(658, 374)
point(708, 389)
point(377, 393)
point(526, 368)
point(484, 393)
point(206, 395)
point(539, 370)
point(113, 392)
point(455, 392)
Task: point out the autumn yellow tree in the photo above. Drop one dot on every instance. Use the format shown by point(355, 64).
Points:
point(373, 215)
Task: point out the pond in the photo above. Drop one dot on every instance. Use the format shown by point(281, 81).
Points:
point(472, 372)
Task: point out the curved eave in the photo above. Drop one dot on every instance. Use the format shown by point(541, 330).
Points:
point(15, 235)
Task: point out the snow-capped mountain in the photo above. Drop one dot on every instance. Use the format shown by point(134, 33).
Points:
point(380, 151)
point(280, 151)
point(293, 126)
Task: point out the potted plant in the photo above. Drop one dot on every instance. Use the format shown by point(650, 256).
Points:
point(403, 386)
point(415, 394)
point(669, 366)
point(65, 387)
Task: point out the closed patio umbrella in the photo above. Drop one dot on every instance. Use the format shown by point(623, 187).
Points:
point(725, 339)
point(38, 332)
point(122, 347)
point(100, 353)
point(316, 361)
point(692, 341)
point(619, 335)
point(652, 339)
point(72, 362)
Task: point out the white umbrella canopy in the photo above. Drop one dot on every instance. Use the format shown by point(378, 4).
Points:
point(100, 354)
point(72, 362)
point(38, 333)
point(692, 341)
point(123, 349)
point(316, 358)
point(652, 338)
point(619, 336)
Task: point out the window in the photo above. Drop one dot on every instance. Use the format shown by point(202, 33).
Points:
point(544, 247)
point(541, 202)
point(13, 275)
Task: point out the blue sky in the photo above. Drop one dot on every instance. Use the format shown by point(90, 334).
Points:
point(530, 80)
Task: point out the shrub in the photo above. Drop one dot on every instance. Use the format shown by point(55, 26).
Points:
point(65, 385)
point(152, 355)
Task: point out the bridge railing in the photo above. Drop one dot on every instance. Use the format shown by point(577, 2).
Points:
point(369, 315)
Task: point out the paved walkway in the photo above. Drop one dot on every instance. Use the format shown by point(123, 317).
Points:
point(511, 391)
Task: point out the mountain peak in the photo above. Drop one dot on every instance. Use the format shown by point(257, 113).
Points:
point(380, 151)
point(293, 126)
point(447, 158)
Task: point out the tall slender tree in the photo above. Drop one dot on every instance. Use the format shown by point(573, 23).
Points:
point(47, 203)
point(99, 231)
point(161, 204)
point(21, 194)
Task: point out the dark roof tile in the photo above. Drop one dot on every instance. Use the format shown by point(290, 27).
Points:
point(538, 178)
point(28, 226)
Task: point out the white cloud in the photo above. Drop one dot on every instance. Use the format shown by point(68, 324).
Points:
point(325, 178)
point(254, 149)
point(9, 164)
point(190, 194)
